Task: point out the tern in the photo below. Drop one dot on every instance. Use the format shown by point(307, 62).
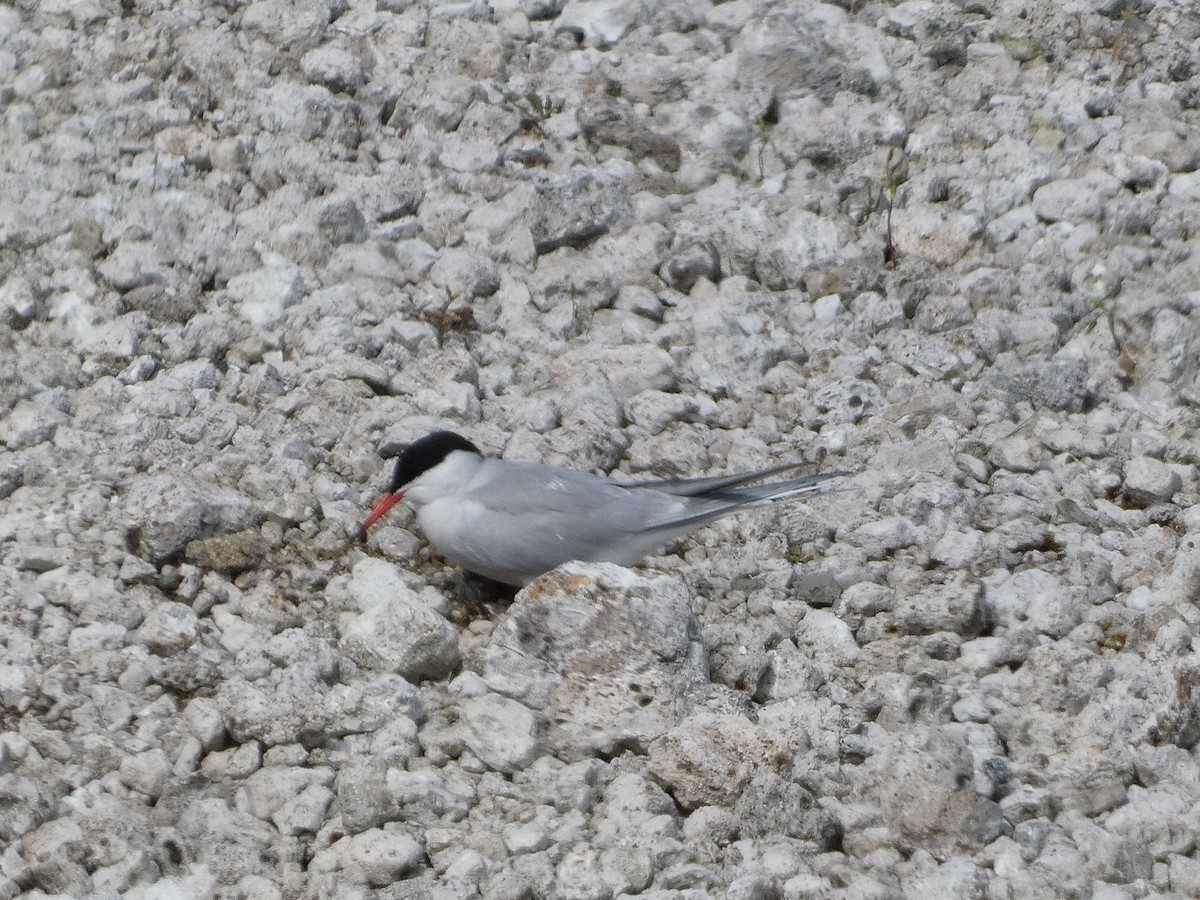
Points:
point(513, 521)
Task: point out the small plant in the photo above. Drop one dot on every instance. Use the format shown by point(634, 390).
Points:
point(534, 108)
point(1105, 310)
point(897, 174)
point(543, 107)
point(767, 120)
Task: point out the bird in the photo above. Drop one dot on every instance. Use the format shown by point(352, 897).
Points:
point(514, 521)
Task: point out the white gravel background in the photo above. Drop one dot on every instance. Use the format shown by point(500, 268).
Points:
point(248, 250)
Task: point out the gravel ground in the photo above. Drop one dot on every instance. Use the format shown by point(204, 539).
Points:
point(248, 250)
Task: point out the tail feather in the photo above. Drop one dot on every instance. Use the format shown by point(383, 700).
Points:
point(777, 490)
point(728, 501)
point(712, 486)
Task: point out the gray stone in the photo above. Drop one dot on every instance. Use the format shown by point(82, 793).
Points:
point(1150, 481)
point(955, 606)
point(285, 709)
point(366, 706)
point(786, 52)
point(572, 212)
point(334, 67)
point(808, 241)
point(608, 656)
point(710, 759)
point(465, 274)
point(396, 631)
point(1042, 599)
point(29, 424)
point(264, 296)
point(304, 813)
point(249, 248)
point(285, 24)
point(146, 772)
point(501, 732)
point(234, 764)
point(270, 789)
point(1073, 199)
point(169, 628)
point(1062, 385)
point(167, 512)
point(95, 638)
point(603, 24)
point(341, 221)
point(17, 299)
point(771, 804)
point(363, 797)
point(689, 264)
point(382, 856)
point(881, 538)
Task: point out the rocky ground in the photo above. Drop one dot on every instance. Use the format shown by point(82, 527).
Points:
point(248, 250)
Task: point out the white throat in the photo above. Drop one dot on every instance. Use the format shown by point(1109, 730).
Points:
point(446, 480)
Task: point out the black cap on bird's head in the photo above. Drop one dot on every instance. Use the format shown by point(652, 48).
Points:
point(422, 455)
point(415, 460)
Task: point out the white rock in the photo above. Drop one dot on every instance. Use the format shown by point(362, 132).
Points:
point(285, 24)
point(197, 883)
point(1185, 186)
point(884, 536)
point(710, 759)
point(382, 856)
point(501, 732)
point(472, 155)
point(367, 705)
point(528, 838)
point(28, 425)
point(234, 764)
point(957, 549)
point(1148, 480)
point(171, 511)
point(146, 772)
point(466, 274)
point(826, 309)
point(1039, 597)
point(467, 868)
point(264, 295)
point(135, 263)
point(304, 813)
point(17, 296)
point(827, 637)
point(1069, 199)
point(397, 631)
point(654, 410)
point(270, 789)
point(578, 875)
point(334, 67)
point(284, 708)
point(95, 637)
point(256, 887)
point(608, 656)
point(809, 240)
point(602, 22)
point(169, 628)
point(79, 592)
point(955, 605)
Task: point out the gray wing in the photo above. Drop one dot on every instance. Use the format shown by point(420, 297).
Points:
point(524, 519)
